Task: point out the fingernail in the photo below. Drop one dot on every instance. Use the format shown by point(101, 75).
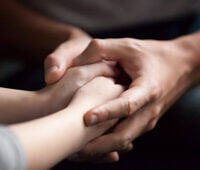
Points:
point(93, 119)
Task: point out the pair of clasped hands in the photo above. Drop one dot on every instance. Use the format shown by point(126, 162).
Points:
point(157, 82)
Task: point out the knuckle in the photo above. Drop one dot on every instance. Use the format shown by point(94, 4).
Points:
point(96, 43)
point(131, 106)
point(80, 75)
point(79, 72)
point(155, 92)
point(126, 103)
point(154, 96)
point(124, 141)
point(133, 44)
point(128, 41)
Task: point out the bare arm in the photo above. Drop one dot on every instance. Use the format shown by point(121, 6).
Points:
point(18, 105)
point(48, 140)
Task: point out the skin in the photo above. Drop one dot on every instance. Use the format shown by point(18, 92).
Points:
point(61, 43)
point(161, 71)
point(17, 105)
point(56, 129)
point(150, 94)
point(55, 63)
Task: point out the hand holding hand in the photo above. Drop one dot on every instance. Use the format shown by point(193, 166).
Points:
point(161, 71)
point(59, 94)
point(90, 95)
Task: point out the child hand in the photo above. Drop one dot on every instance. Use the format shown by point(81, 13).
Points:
point(60, 93)
point(96, 92)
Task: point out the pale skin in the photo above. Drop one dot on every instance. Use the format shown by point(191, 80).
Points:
point(17, 105)
point(64, 132)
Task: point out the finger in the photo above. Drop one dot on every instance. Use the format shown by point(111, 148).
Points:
point(98, 50)
point(128, 149)
point(91, 71)
point(129, 102)
point(107, 158)
point(123, 135)
point(142, 121)
point(54, 68)
point(111, 143)
point(57, 62)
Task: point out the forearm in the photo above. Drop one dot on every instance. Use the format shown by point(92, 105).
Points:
point(19, 105)
point(25, 29)
point(48, 140)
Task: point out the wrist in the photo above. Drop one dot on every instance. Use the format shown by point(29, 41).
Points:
point(190, 55)
point(53, 98)
point(72, 117)
point(44, 98)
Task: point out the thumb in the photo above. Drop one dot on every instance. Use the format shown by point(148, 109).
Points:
point(57, 62)
point(98, 50)
point(54, 68)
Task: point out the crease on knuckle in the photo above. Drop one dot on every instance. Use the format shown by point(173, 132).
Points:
point(130, 106)
point(81, 74)
point(109, 115)
point(155, 92)
point(133, 105)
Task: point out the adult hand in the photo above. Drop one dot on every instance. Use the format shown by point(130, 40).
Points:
point(56, 63)
point(161, 71)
